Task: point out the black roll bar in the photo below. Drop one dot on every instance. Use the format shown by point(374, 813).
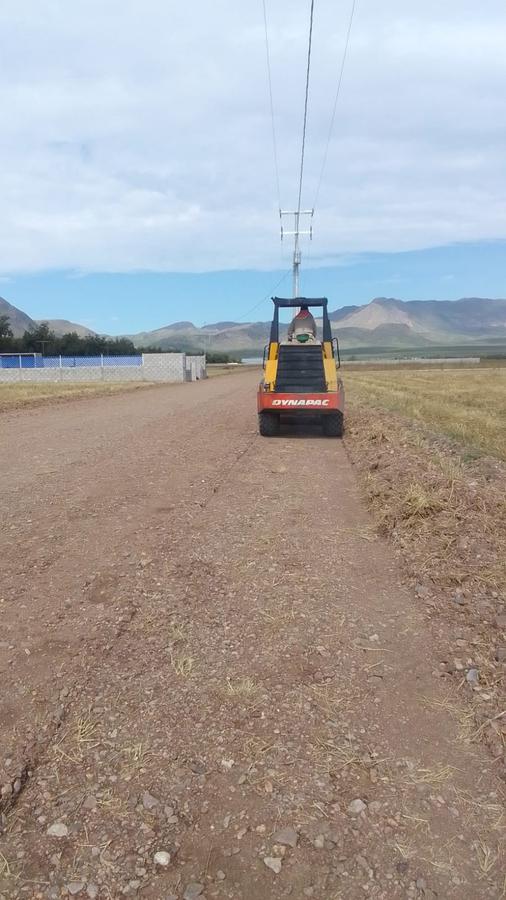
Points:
point(290, 303)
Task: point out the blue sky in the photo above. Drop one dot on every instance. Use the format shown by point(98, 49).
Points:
point(137, 152)
point(132, 302)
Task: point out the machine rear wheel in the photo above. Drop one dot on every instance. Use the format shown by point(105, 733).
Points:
point(268, 424)
point(333, 424)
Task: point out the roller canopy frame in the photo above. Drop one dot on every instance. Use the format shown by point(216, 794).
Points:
point(295, 302)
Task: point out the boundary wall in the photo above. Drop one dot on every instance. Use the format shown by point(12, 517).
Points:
point(161, 367)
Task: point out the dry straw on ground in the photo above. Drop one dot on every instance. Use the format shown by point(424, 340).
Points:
point(467, 404)
point(15, 396)
point(442, 502)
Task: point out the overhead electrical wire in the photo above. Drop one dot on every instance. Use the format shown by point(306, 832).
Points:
point(267, 296)
point(306, 102)
point(305, 119)
point(304, 126)
point(273, 124)
point(336, 101)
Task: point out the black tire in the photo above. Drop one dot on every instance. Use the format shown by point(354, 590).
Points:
point(333, 424)
point(268, 424)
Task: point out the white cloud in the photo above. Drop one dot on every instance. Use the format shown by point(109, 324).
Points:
point(137, 135)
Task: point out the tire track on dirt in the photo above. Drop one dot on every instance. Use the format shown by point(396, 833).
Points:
point(79, 563)
point(41, 745)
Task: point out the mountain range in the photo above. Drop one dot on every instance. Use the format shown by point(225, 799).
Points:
point(20, 322)
point(384, 322)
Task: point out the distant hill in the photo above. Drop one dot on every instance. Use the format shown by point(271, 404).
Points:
point(435, 320)
point(62, 326)
point(382, 323)
point(18, 320)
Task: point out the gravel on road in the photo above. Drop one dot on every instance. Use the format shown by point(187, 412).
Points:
point(216, 682)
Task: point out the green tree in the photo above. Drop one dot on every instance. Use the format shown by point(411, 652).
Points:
point(5, 327)
point(5, 333)
point(121, 347)
point(70, 345)
point(43, 340)
point(40, 340)
point(220, 357)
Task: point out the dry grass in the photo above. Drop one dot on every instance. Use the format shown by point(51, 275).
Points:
point(137, 755)
point(256, 749)
point(16, 396)
point(135, 760)
point(419, 502)
point(487, 858)
point(241, 687)
point(5, 869)
point(85, 732)
point(405, 849)
point(466, 404)
point(436, 776)
point(325, 696)
point(215, 369)
point(419, 823)
point(495, 812)
point(182, 664)
point(176, 632)
point(78, 740)
point(462, 715)
point(446, 513)
point(331, 758)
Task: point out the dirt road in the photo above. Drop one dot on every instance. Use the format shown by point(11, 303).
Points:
point(213, 681)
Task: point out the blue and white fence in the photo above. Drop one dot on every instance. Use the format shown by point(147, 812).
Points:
point(37, 361)
point(143, 367)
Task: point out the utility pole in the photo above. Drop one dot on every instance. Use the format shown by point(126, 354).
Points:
point(297, 233)
point(207, 340)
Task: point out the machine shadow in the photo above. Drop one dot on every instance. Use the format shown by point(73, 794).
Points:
point(302, 427)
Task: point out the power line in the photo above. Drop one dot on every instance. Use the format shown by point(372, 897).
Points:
point(336, 100)
point(273, 125)
point(298, 212)
point(267, 296)
point(308, 67)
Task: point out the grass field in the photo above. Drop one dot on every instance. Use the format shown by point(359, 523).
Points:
point(466, 404)
point(15, 396)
